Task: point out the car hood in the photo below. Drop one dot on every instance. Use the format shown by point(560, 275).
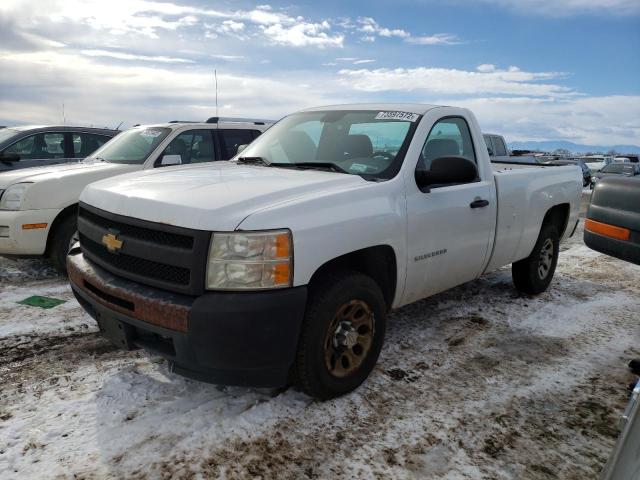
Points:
point(210, 197)
point(37, 174)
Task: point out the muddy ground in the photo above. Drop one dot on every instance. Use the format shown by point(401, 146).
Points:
point(476, 383)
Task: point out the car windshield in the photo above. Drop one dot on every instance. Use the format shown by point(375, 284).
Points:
point(7, 133)
point(366, 143)
point(617, 168)
point(132, 147)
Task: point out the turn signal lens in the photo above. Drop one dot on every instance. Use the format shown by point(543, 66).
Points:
point(607, 230)
point(34, 226)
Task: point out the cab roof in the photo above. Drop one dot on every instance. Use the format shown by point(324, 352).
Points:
point(418, 108)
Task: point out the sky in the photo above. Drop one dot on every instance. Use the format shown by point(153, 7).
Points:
point(529, 69)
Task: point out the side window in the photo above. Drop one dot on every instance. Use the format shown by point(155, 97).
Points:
point(490, 149)
point(255, 133)
point(499, 147)
point(39, 146)
point(84, 144)
point(231, 139)
point(448, 137)
point(193, 146)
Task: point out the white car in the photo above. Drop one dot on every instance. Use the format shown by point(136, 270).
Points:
point(38, 206)
point(282, 264)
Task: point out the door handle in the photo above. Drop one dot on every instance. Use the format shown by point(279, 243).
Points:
point(479, 203)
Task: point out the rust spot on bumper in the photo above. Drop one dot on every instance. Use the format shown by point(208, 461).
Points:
point(142, 303)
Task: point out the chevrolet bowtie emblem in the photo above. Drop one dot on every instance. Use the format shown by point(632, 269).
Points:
point(112, 243)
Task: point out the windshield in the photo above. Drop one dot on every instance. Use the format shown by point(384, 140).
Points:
point(366, 143)
point(617, 168)
point(7, 133)
point(132, 147)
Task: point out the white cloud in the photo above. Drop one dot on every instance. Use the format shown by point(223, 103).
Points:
point(229, 58)
point(371, 28)
point(303, 34)
point(130, 56)
point(99, 94)
point(486, 68)
point(150, 19)
point(436, 39)
point(456, 82)
point(607, 120)
point(569, 7)
point(233, 26)
point(364, 60)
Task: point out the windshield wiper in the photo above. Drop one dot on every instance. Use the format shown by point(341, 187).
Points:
point(253, 161)
point(317, 165)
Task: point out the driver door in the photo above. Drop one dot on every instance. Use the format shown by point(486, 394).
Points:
point(450, 227)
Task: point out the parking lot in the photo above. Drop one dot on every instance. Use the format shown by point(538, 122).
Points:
point(477, 382)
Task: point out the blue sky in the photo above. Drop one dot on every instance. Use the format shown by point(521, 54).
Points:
point(531, 69)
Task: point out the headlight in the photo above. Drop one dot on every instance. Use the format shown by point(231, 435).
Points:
point(250, 260)
point(12, 197)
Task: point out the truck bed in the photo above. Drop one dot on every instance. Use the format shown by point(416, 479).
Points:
point(525, 192)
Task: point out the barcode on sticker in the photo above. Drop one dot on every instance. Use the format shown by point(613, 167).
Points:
point(410, 117)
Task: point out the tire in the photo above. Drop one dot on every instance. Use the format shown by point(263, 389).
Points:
point(345, 319)
point(533, 274)
point(61, 239)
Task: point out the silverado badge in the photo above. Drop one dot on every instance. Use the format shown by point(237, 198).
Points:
point(112, 242)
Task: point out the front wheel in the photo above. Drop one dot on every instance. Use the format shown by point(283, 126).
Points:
point(533, 274)
point(342, 335)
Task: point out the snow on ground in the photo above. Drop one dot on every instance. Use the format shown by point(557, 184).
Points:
point(477, 382)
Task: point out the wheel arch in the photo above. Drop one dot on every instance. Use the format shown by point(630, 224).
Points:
point(558, 215)
point(377, 262)
point(65, 213)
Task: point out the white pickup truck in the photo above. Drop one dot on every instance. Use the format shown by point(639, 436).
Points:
point(38, 206)
point(282, 264)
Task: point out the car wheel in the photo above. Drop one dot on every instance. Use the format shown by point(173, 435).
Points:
point(342, 335)
point(533, 274)
point(64, 236)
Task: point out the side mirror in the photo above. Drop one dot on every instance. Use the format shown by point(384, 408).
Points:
point(447, 171)
point(242, 147)
point(168, 160)
point(9, 157)
point(490, 151)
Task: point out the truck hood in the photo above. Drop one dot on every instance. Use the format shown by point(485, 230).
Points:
point(210, 197)
point(93, 171)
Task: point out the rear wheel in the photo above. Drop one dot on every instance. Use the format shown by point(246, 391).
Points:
point(342, 335)
point(64, 236)
point(533, 274)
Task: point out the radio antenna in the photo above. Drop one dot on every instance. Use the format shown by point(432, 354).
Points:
point(215, 75)
point(64, 119)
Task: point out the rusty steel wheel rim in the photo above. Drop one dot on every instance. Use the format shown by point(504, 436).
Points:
point(349, 338)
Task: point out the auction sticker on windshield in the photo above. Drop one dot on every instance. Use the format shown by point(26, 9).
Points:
point(151, 133)
point(411, 117)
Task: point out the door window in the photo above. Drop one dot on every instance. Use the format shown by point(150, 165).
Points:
point(84, 144)
point(193, 146)
point(39, 146)
point(499, 148)
point(490, 150)
point(448, 137)
point(231, 139)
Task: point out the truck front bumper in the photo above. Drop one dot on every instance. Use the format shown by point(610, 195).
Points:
point(230, 338)
point(16, 239)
